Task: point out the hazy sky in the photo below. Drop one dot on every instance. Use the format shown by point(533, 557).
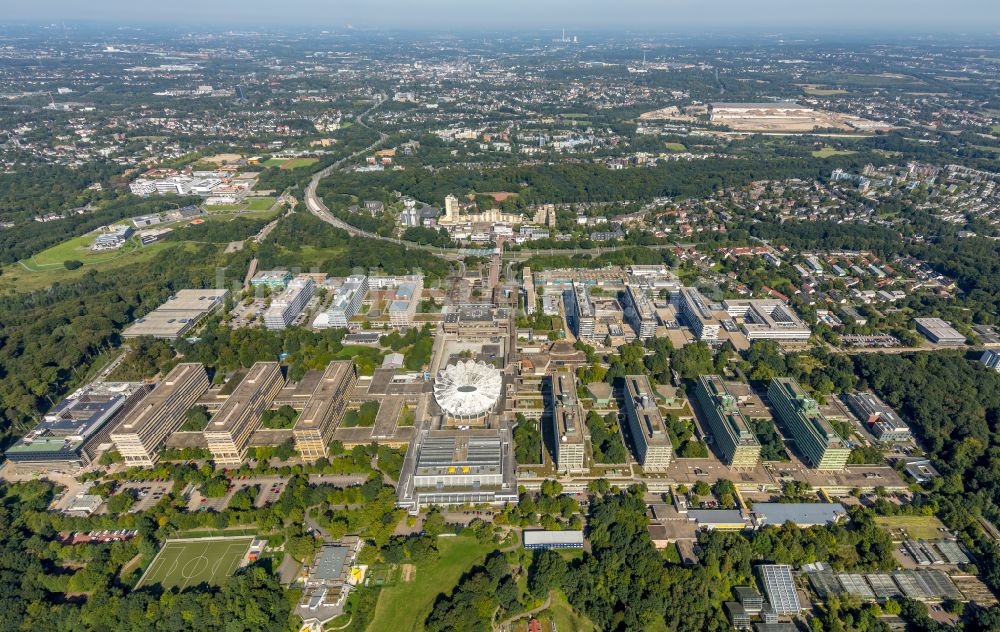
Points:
point(487, 15)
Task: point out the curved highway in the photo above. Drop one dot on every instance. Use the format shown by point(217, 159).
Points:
point(316, 206)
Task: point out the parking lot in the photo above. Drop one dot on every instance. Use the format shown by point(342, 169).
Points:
point(248, 315)
point(270, 489)
point(269, 492)
point(146, 494)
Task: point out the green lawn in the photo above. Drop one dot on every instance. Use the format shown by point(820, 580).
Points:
point(675, 147)
point(274, 162)
point(298, 163)
point(367, 359)
point(827, 152)
point(260, 203)
point(250, 204)
point(995, 129)
point(822, 91)
point(404, 606)
point(77, 248)
point(228, 216)
point(25, 277)
point(565, 618)
point(192, 562)
point(917, 527)
point(658, 625)
point(308, 256)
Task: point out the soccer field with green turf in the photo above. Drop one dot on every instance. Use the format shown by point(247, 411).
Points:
point(184, 563)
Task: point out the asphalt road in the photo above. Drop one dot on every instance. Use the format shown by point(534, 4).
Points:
point(316, 206)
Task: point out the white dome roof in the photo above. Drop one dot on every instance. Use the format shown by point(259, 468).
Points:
point(468, 389)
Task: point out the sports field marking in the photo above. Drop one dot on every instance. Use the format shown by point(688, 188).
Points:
point(184, 563)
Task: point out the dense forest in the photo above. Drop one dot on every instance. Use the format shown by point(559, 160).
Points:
point(28, 238)
point(625, 584)
point(220, 232)
point(48, 339)
point(559, 183)
point(44, 188)
point(37, 571)
point(337, 253)
point(953, 406)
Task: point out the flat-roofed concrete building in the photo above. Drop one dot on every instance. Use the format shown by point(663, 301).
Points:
point(939, 331)
point(142, 432)
point(178, 315)
point(313, 430)
point(731, 431)
point(346, 303)
point(542, 539)
point(639, 312)
point(567, 422)
point(459, 461)
point(228, 432)
point(816, 440)
point(286, 306)
point(404, 305)
point(987, 336)
point(530, 298)
point(990, 359)
point(883, 421)
point(580, 311)
point(767, 319)
point(274, 279)
point(802, 514)
point(447, 467)
point(77, 430)
point(649, 434)
point(698, 313)
point(478, 320)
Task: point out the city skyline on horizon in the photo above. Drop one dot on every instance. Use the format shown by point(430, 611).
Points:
point(892, 16)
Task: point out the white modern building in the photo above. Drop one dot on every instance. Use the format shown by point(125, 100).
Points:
point(542, 539)
point(639, 312)
point(580, 311)
point(346, 303)
point(289, 304)
point(698, 314)
point(467, 391)
point(767, 319)
point(404, 306)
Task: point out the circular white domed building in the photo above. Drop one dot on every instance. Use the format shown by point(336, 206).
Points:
point(468, 391)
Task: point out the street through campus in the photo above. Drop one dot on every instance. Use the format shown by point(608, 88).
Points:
point(377, 319)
